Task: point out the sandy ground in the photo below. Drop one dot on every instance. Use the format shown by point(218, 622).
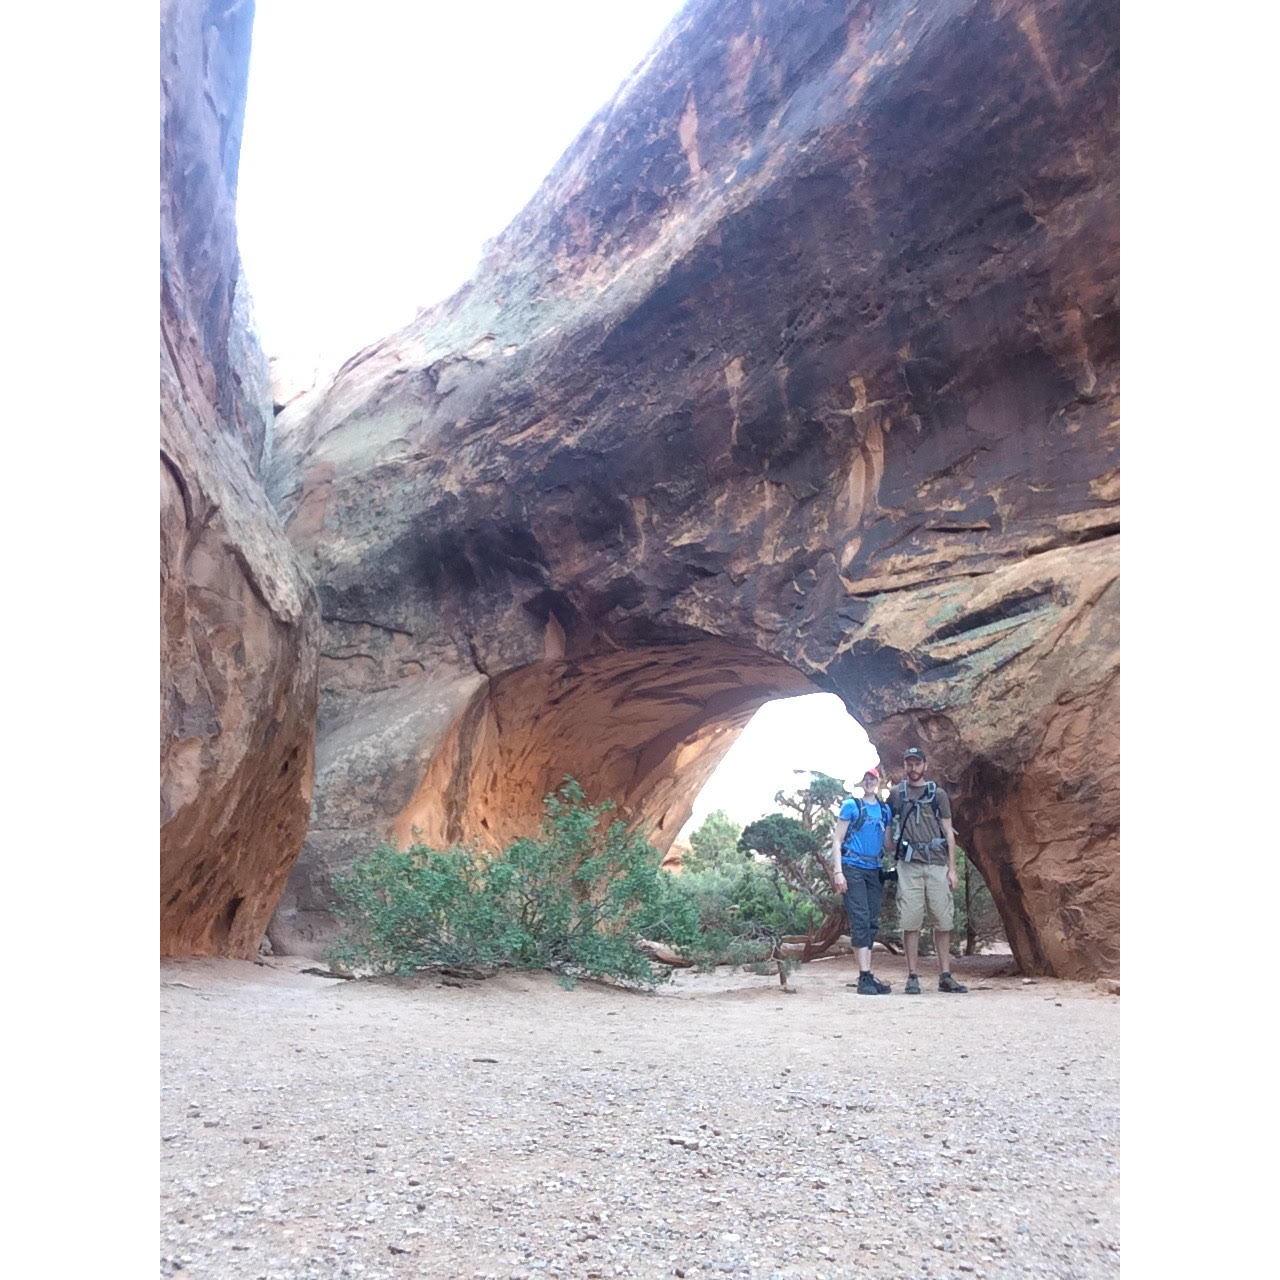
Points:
point(312, 1128)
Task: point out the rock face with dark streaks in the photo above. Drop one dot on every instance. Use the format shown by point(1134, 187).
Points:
point(239, 622)
point(799, 372)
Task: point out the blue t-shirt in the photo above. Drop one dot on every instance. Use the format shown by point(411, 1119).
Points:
point(863, 847)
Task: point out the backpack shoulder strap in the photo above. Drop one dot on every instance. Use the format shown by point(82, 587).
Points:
point(852, 825)
point(931, 795)
point(906, 807)
point(859, 817)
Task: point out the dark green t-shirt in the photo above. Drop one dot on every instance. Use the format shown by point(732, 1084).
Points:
point(922, 825)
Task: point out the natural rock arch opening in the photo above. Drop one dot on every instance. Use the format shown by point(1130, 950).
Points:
point(439, 761)
point(642, 727)
point(784, 745)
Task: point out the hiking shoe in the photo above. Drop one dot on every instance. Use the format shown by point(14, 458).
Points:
point(870, 985)
point(948, 983)
point(913, 985)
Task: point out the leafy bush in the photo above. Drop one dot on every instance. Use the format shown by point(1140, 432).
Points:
point(404, 911)
point(743, 909)
point(764, 884)
point(780, 839)
point(751, 894)
point(816, 803)
point(801, 883)
point(715, 843)
point(573, 900)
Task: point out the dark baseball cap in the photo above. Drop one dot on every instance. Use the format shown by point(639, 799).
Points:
point(913, 753)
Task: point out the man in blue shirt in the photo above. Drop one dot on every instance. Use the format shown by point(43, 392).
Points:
point(860, 838)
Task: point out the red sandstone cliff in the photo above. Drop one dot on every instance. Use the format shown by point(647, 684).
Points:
point(239, 625)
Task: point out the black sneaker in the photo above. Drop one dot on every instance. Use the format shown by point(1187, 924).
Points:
point(870, 985)
point(948, 983)
point(913, 985)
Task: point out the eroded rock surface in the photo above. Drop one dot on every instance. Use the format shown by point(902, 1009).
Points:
point(239, 620)
point(800, 371)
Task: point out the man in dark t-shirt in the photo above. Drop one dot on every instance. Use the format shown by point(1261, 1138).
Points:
point(926, 854)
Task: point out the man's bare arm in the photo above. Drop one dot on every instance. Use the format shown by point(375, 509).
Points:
point(950, 832)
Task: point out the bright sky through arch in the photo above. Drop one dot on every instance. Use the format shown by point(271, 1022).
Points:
point(384, 143)
point(813, 731)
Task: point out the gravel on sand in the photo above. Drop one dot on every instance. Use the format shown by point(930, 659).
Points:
point(313, 1129)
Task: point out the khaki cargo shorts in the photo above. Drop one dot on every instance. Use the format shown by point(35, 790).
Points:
point(919, 884)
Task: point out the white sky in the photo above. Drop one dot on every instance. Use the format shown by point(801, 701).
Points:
point(384, 142)
point(810, 732)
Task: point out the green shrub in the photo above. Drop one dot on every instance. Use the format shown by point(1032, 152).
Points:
point(573, 900)
point(742, 911)
point(403, 911)
point(802, 893)
point(769, 884)
point(578, 897)
point(714, 843)
point(695, 914)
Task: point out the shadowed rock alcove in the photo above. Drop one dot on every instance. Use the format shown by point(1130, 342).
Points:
point(644, 728)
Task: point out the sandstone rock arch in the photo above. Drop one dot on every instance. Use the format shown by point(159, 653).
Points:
point(802, 365)
point(807, 348)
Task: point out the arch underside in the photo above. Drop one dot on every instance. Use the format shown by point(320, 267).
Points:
point(641, 728)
